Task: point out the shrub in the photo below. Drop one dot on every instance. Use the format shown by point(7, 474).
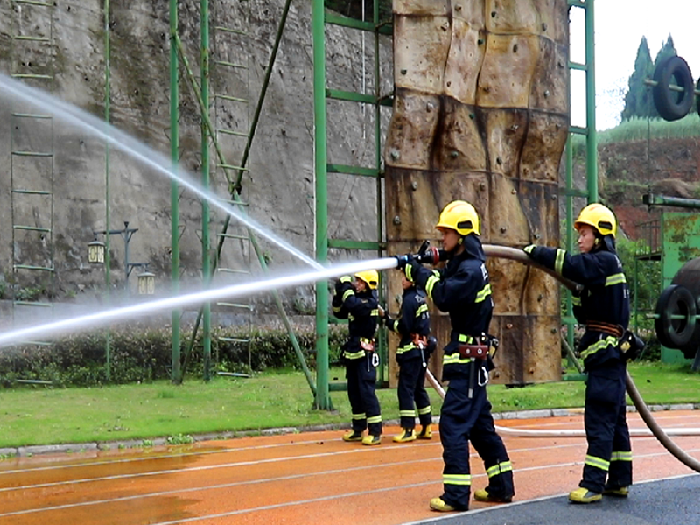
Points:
point(146, 355)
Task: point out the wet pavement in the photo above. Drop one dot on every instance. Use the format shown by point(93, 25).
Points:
point(316, 477)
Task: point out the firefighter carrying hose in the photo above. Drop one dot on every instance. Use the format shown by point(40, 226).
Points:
point(604, 309)
point(412, 355)
point(462, 289)
point(356, 300)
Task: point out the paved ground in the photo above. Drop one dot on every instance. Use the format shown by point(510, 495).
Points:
point(316, 477)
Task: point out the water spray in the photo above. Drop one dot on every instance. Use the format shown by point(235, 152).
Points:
point(131, 146)
point(103, 317)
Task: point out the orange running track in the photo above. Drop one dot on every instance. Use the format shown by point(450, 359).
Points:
point(296, 479)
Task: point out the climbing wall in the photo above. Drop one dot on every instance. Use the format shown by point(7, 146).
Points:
point(482, 114)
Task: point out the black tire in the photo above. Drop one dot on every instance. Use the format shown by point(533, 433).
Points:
point(675, 333)
point(673, 105)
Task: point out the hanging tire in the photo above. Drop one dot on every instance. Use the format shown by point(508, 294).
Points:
point(674, 332)
point(673, 105)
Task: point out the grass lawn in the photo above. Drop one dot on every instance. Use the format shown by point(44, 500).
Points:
point(273, 399)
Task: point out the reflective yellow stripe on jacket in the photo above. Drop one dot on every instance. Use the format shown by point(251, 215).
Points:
point(618, 278)
point(598, 345)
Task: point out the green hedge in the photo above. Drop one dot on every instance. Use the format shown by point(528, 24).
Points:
point(145, 355)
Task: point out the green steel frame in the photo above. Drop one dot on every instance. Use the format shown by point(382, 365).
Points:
point(589, 133)
point(320, 18)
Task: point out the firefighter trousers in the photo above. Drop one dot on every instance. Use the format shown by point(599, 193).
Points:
point(361, 377)
point(464, 419)
point(412, 394)
point(608, 460)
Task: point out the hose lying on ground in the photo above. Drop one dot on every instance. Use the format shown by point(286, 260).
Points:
point(654, 428)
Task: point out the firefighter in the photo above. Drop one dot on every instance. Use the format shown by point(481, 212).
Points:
point(412, 355)
point(603, 308)
point(356, 300)
point(462, 289)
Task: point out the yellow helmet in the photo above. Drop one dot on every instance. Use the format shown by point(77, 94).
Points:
point(460, 216)
point(598, 216)
point(370, 277)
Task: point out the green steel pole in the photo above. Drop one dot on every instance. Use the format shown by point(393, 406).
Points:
point(174, 187)
point(569, 232)
point(636, 293)
point(206, 264)
point(592, 135)
point(107, 120)
point(384, 350)
point(318, 24)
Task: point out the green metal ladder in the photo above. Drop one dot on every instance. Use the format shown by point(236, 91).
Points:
point(32, 153)
point(322, 94)
point(230, 52)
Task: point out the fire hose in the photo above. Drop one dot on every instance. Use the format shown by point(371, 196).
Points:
point(654, 429)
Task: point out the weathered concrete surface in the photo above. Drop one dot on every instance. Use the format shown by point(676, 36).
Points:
point(280, 185)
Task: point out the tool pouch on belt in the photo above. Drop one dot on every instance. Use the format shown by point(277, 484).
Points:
point(367, 344)
point(630, 345)
point(483, 348)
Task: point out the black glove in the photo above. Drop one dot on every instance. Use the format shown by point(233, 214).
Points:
point(403, 260)
point(529, 249)
point(342, 284)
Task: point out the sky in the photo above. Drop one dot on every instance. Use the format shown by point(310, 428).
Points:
point(619, 27)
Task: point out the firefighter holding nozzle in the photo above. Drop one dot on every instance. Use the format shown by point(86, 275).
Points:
point(355, 299)
point(412, 356)
point(603, 307)
point(462, 289)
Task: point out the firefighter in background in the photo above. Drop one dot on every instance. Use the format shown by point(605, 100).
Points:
point(356, 300)
point(604, 309)
point(412, 355)
point(462, 289)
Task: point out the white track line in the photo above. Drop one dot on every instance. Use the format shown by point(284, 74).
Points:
point(300, 476)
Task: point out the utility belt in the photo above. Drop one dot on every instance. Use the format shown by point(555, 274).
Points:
point(606, 328)
point(629, 344)
point(367, 344)
point(480, 348)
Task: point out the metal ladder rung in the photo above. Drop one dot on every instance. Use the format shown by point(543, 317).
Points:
point(232, 270)
point(31, 75)
point(231, 167)
point(33, 303)
point(234, 339)
point(230, 64)
point(32, 154)
point(32, 2)
point(235, 236)
point(30, 267)
point(229, 132)
point(31, 38)
point(31, 228)
point(33, 192)
point(31, 115)
point(231, 30)
point(230, 98)
point(234, 305)
point(237, 203)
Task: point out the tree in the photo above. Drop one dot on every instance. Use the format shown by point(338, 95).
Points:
point(667, 50)
point(639, 101)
